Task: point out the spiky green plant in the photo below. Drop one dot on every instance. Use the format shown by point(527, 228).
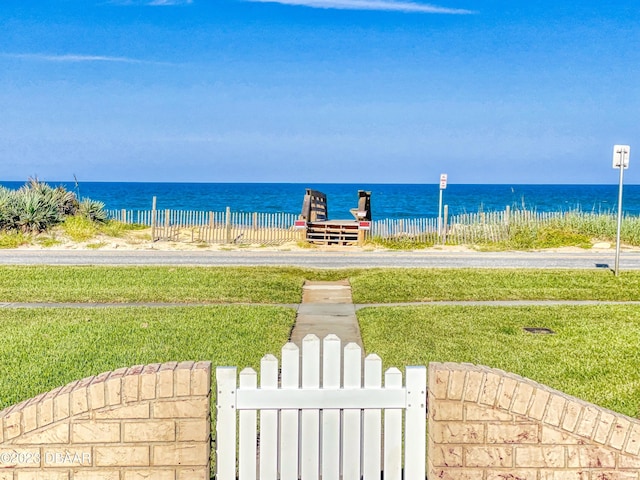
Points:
point(36, 207)
point(36, 213)
point(93, 210)
point(8, 212)
point(66, 202)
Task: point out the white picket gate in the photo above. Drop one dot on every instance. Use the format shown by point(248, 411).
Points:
point(321, 429)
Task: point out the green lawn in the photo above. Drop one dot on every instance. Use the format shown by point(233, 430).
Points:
point(417, 285)
point(283, 284)
point(41, 349)
point(594, 354)
point(150, 284)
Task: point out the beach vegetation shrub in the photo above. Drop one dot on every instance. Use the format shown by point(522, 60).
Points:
point(36, 213)
point(526, 230)
point(305, 244)
point(115, 228)
point(65, 201)
point(79, 228)
point(399, 243)
point(93, 210)
point(521, 237)
point(6, 207)
point(553, 237)
point(37, 207)
point(14, 239)
point(47, 241)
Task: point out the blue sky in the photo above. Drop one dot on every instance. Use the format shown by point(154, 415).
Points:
point(362, 91)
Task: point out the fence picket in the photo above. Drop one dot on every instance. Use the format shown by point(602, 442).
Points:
point(392, 430)
point(331, 417)
point(351, 417)
point(289, 418)
point(310, 418)
point(248, 429)
point(268, 421)
point(371, 438)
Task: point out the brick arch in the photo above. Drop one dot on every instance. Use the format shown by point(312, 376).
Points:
point(488, 424)
point(146, 421)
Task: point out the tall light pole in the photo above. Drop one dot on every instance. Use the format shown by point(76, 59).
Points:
point(621, 161)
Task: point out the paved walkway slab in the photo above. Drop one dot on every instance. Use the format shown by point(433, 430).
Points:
point(327, 307)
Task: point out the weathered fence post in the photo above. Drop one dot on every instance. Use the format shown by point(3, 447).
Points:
point(228, 224)
point(444, 224)
point(167, 224)
point(153, 219)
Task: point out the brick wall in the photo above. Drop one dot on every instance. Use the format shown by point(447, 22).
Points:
point(143, 422)
point(153, 422)
point(486, 424)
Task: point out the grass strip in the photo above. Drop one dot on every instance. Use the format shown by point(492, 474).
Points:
point(425, 285)
point(284, 284)
point(41, 349)
point(593, 355)
point(150, 284)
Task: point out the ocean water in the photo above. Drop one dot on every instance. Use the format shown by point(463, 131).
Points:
point(387, 200)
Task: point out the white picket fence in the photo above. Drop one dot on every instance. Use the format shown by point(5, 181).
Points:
point(316, 426)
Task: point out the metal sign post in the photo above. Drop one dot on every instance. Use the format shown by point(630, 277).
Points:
point(621, 161)
point(443, 185)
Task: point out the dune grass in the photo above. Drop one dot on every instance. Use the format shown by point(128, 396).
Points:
point(593, 354)
point(41, 349)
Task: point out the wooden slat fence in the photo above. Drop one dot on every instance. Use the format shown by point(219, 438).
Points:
point(277, 228)
point(471, 228)
point(214, 227)
point(314, 425)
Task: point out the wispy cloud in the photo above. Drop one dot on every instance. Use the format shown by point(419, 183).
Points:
point(170, 2)
point(152, 3)
point(384, 5)
point(74, 58)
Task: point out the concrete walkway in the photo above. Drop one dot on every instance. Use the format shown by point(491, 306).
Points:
point(327, 308)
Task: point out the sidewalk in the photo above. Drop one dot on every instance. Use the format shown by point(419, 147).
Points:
point(327, 307)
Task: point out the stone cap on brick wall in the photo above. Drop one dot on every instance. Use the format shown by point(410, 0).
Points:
point(118, 387)
point(526, 398)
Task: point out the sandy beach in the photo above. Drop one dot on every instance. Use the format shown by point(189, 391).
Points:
point(141, 240)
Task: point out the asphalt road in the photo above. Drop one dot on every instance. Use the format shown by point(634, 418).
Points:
point(317, 259)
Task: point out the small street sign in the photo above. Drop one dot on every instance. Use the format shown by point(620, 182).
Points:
point(621, 152)
point(364, 225)
point(299, 224)
point(443, 181)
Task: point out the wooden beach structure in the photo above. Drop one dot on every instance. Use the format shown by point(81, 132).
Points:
point(319, 229)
